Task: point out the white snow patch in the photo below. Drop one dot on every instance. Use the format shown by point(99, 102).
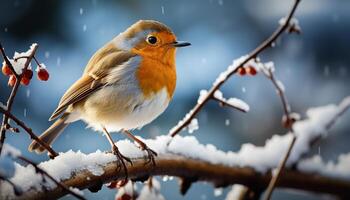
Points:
point(202, 96)
point(129, 189)
point(18, 65)
point(238, 103)
point(236, 192)
point(153, 192)
point(218, 192)
point(76, 190)
point(338, 169)
point(193, 126)
point(223, 75)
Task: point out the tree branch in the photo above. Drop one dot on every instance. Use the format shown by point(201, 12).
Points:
point(43, 172)
point(14, 90)
point(52, 153)
point(219, 175)
point(266, 44)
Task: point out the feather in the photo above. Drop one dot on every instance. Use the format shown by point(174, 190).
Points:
point(93, 79)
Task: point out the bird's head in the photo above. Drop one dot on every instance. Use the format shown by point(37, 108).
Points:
point(149, 38)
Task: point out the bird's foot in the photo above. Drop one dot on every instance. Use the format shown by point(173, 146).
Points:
point(150, 153)
point(122, 160)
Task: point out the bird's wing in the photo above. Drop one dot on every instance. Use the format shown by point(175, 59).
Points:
point(92, 80)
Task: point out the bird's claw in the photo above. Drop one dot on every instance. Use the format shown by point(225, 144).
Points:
point(150, 155)
point(121, 160)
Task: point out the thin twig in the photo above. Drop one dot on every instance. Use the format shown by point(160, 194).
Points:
point(29, 131)
point(264, 45)
point(14, 91)
point(224, 103)
point(7, 61)
point(41, 171)
point(289, 122)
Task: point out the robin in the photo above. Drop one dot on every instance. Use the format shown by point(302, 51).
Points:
point(126, 84)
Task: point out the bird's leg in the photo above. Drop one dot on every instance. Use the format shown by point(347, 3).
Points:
point(116, 152)
point(143, 146)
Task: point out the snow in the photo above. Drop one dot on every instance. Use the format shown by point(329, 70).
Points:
point(238, 103)
point(236, 192)
point(330, 168)
point(129, 189)
point(193, 126)
point(293, 22)
point(41, 66)
point(77, 191)
point(181, 122)
point(7, 167)
point(218, 192)
point(223, 75)
point(162, 8)
point(19, 64)
point(265, 157)
point(280, 85)
point(202, 96)
point(153, 192)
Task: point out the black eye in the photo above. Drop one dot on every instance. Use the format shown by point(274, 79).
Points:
point(151, 39)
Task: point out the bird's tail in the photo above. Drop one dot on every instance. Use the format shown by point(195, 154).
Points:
point(50, 134)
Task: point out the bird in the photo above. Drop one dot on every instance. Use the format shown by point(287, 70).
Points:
point(126, 84)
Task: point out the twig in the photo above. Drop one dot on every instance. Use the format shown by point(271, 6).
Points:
point(288, 124)
point(9, 64)
point(264, 45)
point(219, 175)
point(224, 103)
point(29, 131)
point(59, 184)
point(14, 90)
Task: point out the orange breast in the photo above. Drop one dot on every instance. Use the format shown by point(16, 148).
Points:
point(154, 75)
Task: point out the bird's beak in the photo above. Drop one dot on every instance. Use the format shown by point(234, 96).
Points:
point(181, 44)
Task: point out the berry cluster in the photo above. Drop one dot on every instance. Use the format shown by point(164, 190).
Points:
point(250, 70)
point(26, 76)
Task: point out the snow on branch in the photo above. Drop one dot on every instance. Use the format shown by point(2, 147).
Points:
point(237, 64)
point(186, 157)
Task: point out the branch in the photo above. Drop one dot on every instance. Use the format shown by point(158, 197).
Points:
point(52, 153)
point(225, 103)
point(226, 75)
point(14, 90)
point(59, 184)
point(288, 123)
point(219, 175)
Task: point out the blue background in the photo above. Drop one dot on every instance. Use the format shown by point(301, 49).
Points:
point(313, 66)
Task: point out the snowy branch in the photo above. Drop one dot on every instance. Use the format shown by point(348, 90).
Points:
point(18, 75)
point(233, 69)
point(186, 158)
point(18, 70)
point(180, 166)
point(52, 153)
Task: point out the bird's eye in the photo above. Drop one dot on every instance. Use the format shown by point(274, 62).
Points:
point(151, 39)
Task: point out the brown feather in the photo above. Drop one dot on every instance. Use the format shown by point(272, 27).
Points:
point(99, 66)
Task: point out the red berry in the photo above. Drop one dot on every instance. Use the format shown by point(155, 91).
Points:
point(242, 71)
point(25, 81)
point(6, 70)
point(12, 80)
point(28, 74)
point(251, 71)
point(43, 74)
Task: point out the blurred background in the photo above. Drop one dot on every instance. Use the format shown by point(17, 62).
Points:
point(314, 67)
